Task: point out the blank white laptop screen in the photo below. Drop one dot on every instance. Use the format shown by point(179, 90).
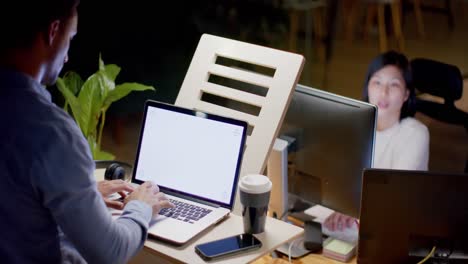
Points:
point(189, 154)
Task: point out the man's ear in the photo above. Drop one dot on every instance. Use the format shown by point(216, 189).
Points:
point(407, 94)
point(53, 31)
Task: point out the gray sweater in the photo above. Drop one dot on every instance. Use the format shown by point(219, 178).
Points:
point(51, 210)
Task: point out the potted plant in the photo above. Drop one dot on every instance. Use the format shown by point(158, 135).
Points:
point(89, 100)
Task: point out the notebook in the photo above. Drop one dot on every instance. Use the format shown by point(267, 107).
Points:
point(195, 159)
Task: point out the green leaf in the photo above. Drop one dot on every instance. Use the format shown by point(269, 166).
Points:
point(123, 90)
point(95, 95)
point(72, 101)
point(73, 82)
point(90, 99)
point(108, 76)
point(92, 144)
point(98, 154)
point(104, 83)
point(103, 155)
point(111, 71)
point(101, 63)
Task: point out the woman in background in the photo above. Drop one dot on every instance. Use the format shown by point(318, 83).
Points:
point(401, 141)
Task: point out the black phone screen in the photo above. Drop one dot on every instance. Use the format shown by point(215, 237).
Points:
point(229, 245)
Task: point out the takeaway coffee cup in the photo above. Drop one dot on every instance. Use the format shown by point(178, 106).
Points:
point(254, 191)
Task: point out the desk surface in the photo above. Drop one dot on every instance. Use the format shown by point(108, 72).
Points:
point(311, 258)
point(158, 252)
point(276, 233)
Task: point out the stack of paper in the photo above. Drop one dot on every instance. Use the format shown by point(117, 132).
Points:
point(338, 250)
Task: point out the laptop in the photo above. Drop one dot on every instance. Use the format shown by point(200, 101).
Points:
point(195, 159)
point(405, 214)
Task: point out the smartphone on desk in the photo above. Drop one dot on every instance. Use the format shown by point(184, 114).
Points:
point(228, 246)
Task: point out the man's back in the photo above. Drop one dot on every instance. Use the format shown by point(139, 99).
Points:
point(32, 137)
point(52, 210)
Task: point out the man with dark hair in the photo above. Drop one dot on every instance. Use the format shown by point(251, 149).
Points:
point(51, 210)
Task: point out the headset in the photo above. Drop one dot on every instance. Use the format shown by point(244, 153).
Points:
point(115, 170)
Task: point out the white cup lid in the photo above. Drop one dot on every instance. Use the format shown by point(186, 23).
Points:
point(255, 183)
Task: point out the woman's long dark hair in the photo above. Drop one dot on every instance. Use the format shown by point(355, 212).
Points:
point(401, 62)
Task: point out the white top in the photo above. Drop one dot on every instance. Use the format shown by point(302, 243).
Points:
point(403, 146)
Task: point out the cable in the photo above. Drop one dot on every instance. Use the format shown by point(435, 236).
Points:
point(451, 249)
point(291, 245)
point(289, 251)
point(428, 256)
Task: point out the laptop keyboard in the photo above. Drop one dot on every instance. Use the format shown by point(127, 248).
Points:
point(185, 212)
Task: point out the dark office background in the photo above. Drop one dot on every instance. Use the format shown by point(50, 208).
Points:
point(154, 42)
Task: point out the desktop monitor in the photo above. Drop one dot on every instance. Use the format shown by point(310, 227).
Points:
point(331, 141)
point(405, 214)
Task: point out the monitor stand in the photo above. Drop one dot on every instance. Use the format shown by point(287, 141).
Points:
point(310, 242)
point(277, 171)
point(312, 239)
point(295, 248)
point(282, 203)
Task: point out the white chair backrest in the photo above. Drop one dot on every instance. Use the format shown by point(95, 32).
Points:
point(269, 104)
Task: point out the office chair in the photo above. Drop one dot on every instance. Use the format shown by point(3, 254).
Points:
point(442, 80)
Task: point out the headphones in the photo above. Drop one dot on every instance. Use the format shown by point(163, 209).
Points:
point(115, 170)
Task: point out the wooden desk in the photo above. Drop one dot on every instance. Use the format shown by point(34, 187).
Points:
point(157, 252)
point(311, 258)
point(315, 258)
point(276, 233)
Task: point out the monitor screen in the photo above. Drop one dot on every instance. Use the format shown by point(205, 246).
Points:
point(407, 214)
point(332, 142)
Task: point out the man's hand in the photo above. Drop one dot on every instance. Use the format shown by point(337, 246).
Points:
point(149, 193)
point(107, 188)
point(338, 222)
